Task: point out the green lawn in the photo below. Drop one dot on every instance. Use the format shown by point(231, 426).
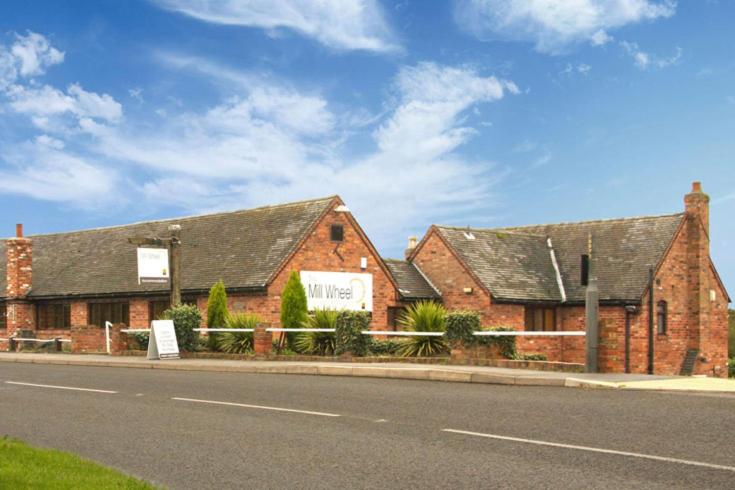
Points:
point(23, 466)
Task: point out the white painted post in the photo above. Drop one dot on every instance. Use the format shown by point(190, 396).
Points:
point(107, 335)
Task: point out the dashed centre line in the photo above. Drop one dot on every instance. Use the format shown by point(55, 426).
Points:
point(594, 450)
point(260, 407)
point(56, 387)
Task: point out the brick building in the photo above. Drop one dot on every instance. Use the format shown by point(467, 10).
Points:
point(49, 283)
point(531, 278)
point(527, 278)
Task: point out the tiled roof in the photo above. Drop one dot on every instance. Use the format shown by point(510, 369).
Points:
point(243, 248)
point(512, 266)
point(514, 263)
point(411, 282)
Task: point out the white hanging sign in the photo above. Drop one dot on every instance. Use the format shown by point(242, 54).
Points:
point(162, 343)
point(153, 265)
point(338, 290)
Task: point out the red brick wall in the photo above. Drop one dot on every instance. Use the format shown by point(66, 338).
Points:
point(318, 254)
point(448, 275)
point(139, 311)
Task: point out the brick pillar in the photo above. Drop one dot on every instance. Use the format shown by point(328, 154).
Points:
point(262, 340)
point(118, 339)
point(19, 280)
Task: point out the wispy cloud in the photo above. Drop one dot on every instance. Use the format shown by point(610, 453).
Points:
point(264, 141)
point(554, 26)
point(339, 24)
point(644, 60)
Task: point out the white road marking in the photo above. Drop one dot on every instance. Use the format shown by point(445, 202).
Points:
point(261, 407)
point(595, 450)
point(59, 387)
point(381, 420)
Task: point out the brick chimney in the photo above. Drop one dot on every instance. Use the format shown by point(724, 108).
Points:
point(696, 205)
point(19, 280)
point(412, 242)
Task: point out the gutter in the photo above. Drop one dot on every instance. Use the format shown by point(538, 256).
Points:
point(137, 294)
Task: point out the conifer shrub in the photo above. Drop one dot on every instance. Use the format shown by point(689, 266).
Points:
point(216, 312)
point(293, 306)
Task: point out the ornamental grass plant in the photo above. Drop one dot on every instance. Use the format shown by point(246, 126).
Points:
point(424, 316)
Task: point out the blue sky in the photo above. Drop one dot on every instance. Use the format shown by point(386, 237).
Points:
point(479, 112)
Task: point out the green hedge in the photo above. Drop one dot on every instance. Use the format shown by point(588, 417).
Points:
point(460, 325)
point(186, 318)
point(347, 332)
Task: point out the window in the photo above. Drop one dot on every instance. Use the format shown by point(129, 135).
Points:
point(3, 316)
point(540, 319)
point(661, 317)
point(113, 312)
point(156, 309)
point(53, 316)
point(337, 233)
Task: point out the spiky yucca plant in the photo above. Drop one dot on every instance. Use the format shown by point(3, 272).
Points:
point(318, 343)
point(423, 316)
point(238, 342)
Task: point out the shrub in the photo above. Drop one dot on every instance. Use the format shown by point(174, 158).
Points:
point(216, 311)
point(318, 343)
point(238, 342)
point(348, 336)
point(383, 347)
point(506, 343)
point(460, 326)
point(141, 340)
point(424, 316)
point(731, 367)
point(530, 357)
point(293, 305)
point(186, 318)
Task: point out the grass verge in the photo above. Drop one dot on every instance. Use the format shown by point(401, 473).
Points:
point(23, 466)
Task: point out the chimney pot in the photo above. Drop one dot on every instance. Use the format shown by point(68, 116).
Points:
point(696, 186)
point(412, 242)
point(19, 230)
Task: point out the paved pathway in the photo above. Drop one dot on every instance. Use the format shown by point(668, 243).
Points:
point(437, 372)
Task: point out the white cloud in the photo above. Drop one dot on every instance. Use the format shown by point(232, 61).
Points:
point(42, 102)
point(44, 170)
point(339, 24)
point(267, 142)
point(35, 54)
point(644, 60)
point(28, 56)
point(556, 25)
point(581, 68)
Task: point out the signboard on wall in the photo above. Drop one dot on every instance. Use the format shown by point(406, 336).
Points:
point(162, 342)
point(153, 265)
point(338, 290)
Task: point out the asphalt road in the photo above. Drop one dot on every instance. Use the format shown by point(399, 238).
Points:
point(368, 433)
